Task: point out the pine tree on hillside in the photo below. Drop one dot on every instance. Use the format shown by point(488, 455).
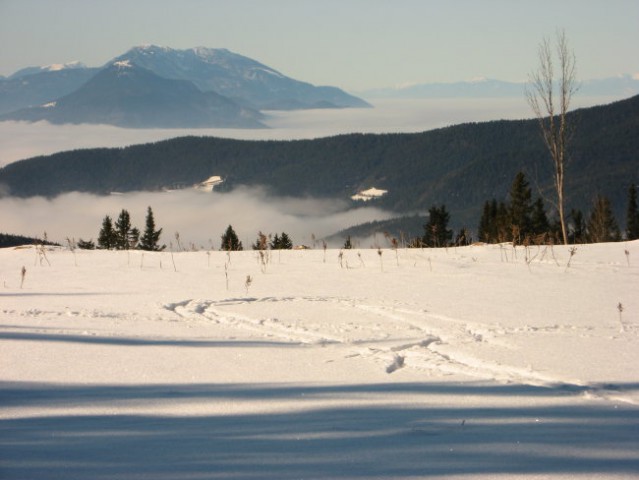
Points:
point(632, 214)
point(503, 226)
point(106, 237)
point(576, 227)
point(275, 242)
point(539, 223)
point(230, 242)
point(436, 232)
point(520, 208)
point(126, 237)
point(285, 242)
point(495, 225)
point(602, 226)
point(281, 242)
point(151, 236)
point(486, 222)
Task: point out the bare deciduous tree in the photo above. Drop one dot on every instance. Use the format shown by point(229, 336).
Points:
point(549, 96)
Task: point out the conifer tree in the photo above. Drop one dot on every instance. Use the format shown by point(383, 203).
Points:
point(436, 232)
point(281, 242)
point(538, 219)
point(106, 237)
point(520, 207)
point(485, 224)
point(632, 214)
point(602, 226)
point(285, 242)
point(230, 242)
point(495, 224)
point(275, 242)
point(577, 231)
point(125, 236)
point(503, 230)
point(151, 236)
point(347, 243)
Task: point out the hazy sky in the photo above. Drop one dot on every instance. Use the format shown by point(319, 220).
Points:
point(353, 44)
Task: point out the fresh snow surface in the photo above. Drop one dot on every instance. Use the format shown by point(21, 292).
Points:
point(470, 363)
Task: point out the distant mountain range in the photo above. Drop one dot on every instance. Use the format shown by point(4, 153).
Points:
point(35, 86)
point(127, 95)
point(460, 166)
point(620, 86)
point(153, 86)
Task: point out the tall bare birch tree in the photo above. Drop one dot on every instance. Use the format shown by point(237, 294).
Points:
point(549, 96)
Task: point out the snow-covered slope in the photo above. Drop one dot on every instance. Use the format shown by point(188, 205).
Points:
point(475, 362)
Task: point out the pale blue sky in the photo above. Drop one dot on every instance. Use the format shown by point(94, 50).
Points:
point(353, 44)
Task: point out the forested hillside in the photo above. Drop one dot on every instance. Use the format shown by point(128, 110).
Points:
point(460, 166)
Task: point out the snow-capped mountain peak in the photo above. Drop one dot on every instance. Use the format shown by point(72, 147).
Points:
point(63, 66)
point(233, 75)
point(54, 67)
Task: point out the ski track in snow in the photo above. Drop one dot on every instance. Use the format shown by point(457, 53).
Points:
point(394, 337)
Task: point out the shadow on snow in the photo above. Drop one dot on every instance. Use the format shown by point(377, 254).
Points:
point(421, 438)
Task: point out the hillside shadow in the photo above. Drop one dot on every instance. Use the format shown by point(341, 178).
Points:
point(423, 438)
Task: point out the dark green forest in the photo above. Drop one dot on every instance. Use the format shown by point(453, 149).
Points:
point(460, 166)
point(10, 240)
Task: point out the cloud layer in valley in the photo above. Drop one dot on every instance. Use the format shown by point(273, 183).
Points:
point(199, 218)
point(19, 140)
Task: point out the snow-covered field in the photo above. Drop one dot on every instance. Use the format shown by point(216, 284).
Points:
point(477, 362)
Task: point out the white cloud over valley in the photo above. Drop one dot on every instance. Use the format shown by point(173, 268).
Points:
point(199, 218)
point(20, 140)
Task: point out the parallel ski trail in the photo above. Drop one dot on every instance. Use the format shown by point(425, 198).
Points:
point(393, 336)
